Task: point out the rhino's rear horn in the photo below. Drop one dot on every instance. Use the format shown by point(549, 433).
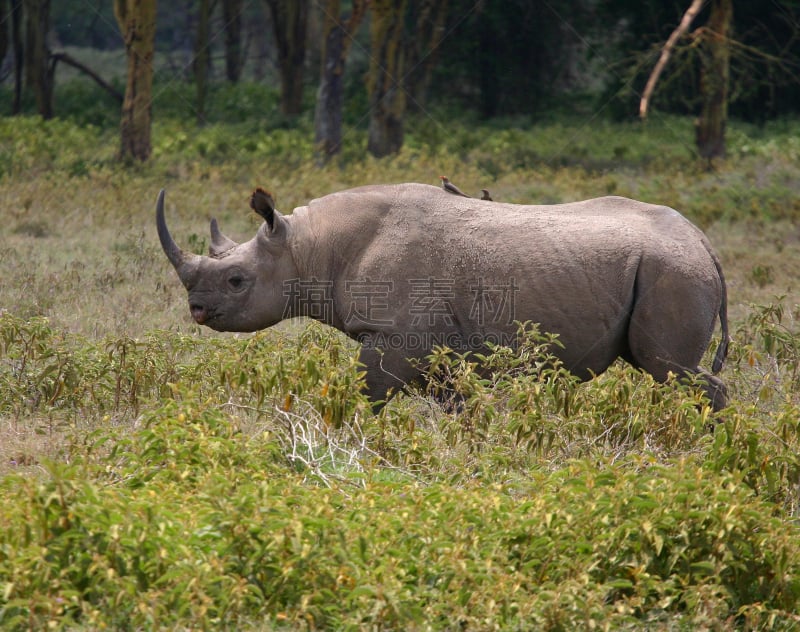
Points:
point(220, 244)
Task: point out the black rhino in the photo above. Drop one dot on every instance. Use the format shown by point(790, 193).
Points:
point(404, 267)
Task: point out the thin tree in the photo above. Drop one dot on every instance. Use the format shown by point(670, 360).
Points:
point(666, 53)
point(5, 20)
point(202, 58)
point(387, 99)
point(290, 22)
point(137, 22)
point(423, 50)
point(38, 70)
point(17, 44)
point(338, 32)
point(714, 81)
point(234, 53)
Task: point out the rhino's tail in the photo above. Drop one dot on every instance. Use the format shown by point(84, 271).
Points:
point(722, 350)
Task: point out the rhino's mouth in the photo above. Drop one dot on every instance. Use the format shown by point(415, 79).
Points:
point(200, 314)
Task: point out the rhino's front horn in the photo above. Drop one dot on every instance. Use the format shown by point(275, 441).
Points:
point(220, 244)
point(181, 261)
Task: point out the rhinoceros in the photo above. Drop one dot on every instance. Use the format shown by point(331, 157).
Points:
point(402, 268)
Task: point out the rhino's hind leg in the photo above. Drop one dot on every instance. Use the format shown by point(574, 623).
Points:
point(715, 390)
point(669, 331)
point(712, 387)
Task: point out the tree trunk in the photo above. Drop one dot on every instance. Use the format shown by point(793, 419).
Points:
point(137, 21)
point(234, 57)
point(487, 64)
point(330, 96)
point(39, 73)
point(19, 53)
point(289, 20)
point(424, 49)
point(202, 58)
point(337, 35)
point(5, 14)
point(714, 80)
point(255, 30)
point(384, 85)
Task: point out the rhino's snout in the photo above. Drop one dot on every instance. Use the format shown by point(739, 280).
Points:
point(199, 313)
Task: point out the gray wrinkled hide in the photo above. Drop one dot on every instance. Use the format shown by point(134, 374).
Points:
point(613, 277)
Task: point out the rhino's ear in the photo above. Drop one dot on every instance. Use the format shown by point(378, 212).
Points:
point(263, 203)
point(274, 231)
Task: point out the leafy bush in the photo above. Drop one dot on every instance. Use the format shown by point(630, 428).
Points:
point(200, 526)
point(253, 487)
point(42, 369)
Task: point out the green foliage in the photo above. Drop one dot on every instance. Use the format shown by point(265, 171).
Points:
point(771, 348)
point(548, 161)
point(230, 538)
point(253, 485)
point(86, 103)
point(32, 146)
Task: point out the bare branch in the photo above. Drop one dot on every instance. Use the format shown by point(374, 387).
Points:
point(68, 59)
point(684, 25)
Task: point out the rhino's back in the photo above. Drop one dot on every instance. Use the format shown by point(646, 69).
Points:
point(401, 212)
point(413, 229)
point(426, 222)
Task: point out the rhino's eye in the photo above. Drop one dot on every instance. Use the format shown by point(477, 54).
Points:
point(236, 283)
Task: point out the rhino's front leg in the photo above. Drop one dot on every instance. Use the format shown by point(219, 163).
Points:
point(388, 370)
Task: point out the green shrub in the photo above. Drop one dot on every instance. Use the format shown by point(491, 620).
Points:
point(231, 539)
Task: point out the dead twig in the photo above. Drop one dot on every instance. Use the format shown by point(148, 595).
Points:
point(684, 25)
point(330, 454)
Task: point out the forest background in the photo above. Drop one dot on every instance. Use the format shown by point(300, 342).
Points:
point(373, 62)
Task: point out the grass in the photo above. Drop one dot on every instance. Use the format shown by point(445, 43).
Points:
point(157, 475)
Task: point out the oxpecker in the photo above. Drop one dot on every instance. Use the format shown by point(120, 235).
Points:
point(451, 188)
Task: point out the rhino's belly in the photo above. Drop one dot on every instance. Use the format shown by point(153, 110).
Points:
point(591, 339)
